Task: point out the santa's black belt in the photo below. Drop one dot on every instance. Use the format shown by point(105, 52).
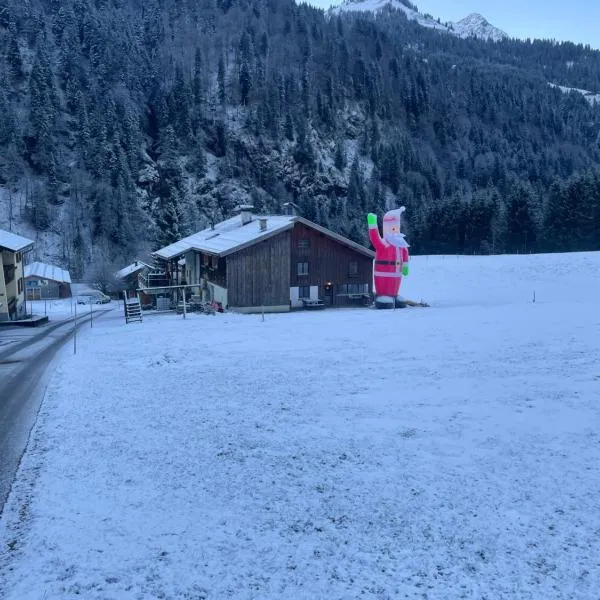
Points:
point(385, 262)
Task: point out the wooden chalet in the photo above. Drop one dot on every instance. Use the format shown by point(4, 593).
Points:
point(251, 263)
point(129, 278)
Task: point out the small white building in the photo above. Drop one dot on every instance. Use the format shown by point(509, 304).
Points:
point(46, 282)
point(12, 286)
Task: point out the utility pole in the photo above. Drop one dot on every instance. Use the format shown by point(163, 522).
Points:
point(75, 330)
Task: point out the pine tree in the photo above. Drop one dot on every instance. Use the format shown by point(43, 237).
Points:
point(289, 127)
point(43, 106)
point(170, 215)
point(339, 157)
point(40, 214)
point(8, 127)
point(15, 62)
point(181, 100)
point(221, 90)
point(197, 82)
point(521, 229)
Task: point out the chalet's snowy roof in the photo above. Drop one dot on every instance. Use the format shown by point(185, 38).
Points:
point(14, 242)
point(138, 265)
point(227, 236)
point(232, 235)
point(38, 269)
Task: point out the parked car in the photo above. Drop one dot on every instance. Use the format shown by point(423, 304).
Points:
point(101, 298)
point(97, 298)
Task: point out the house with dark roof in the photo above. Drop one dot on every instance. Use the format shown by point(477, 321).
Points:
point(12, 288)
point(131, 278)
point(251, 263)
point(46, 282)
point(130, 274)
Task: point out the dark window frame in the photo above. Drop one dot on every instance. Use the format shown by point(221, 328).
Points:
point(302, 268)
point(305, 288)
point(349, 289)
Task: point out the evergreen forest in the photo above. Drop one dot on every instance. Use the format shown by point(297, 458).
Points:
point(127, 124)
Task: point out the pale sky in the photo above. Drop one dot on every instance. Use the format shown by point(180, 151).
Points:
point(571, 20)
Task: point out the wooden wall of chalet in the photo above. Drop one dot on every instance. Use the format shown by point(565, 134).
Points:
point(328, 260)
point(260, 274)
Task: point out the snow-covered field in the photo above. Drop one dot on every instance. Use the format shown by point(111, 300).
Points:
point(65, 308)
point(439, 453)
point(55, 309)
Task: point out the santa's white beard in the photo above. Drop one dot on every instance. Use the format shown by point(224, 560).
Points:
point(395, 240)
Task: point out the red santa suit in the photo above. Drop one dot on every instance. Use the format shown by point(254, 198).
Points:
point(391, 254)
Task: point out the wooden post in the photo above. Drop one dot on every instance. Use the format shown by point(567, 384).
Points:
point(184, 308)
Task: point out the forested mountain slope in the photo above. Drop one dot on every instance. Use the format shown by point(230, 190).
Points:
point(126, 124)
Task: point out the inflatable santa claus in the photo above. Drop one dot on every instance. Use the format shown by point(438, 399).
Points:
point(391, 257)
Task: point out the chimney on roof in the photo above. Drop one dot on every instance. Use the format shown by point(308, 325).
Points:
point(245, 211)
point(263, 224)
point(291, 209)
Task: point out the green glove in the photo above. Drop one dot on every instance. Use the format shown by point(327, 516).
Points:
point(405, 269)
point(372, 219)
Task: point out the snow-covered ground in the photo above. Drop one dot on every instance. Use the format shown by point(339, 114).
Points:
point(446, 452)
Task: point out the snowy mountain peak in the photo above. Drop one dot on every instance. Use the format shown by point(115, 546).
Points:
point(475, 25)
point(407, 8)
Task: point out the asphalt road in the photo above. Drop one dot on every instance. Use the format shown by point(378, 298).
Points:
point(23, 377)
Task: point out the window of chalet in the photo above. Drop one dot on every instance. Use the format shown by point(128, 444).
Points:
point(18, 257)
point(353, 288)
point(214, 263)
point(304, 243)
point(353, 268)
point(304, 291)
point(9, 273)
point(206, 260)
point(20, 285)
point(302, 268)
